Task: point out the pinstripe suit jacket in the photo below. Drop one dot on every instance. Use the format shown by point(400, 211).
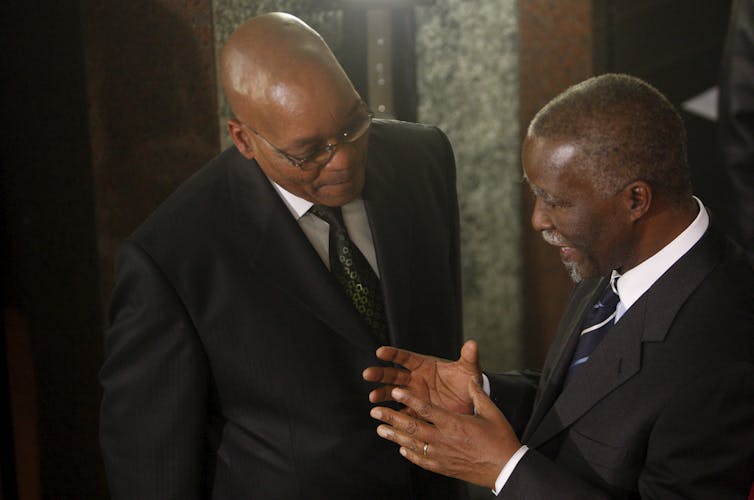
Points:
point(235, 360)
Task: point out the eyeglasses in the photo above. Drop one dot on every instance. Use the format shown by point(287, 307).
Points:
point(323, 155)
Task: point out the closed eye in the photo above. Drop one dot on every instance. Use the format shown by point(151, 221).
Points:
point(557, 204)
point(344, 136)
point(549, 201)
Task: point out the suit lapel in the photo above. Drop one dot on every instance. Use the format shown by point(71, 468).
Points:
point(390, 221)
point(616, 360)
point(279, 251)
point(618, 357)
point(561, 351)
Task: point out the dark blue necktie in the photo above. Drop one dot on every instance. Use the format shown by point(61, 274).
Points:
point(597, 323)
point(354, 274)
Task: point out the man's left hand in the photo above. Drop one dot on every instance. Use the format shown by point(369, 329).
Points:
point(473, 448)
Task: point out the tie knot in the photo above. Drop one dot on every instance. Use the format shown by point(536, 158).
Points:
point(609, 299)
point(331, 215)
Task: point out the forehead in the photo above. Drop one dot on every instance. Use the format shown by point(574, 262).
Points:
point(301, 113)
point(311, 84)
point(554, 168)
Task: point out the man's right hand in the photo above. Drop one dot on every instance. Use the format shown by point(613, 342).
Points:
point(442, 382)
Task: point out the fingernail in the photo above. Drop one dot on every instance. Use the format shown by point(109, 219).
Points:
point(383, 431)
point(398, 394)
point(376, 413)
point(403, 451)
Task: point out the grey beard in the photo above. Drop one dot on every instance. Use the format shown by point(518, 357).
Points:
point(573, 271)
point(554, 238)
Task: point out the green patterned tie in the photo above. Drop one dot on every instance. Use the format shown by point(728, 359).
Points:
point(353, 272)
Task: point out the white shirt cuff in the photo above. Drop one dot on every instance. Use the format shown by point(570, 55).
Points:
point(505, 474)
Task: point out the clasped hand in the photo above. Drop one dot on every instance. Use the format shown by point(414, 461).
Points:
point(438, 429)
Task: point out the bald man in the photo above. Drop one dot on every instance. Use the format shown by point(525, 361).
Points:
point(237, 339)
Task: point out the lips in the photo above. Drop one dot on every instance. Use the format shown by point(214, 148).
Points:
point(332, 176)
point(341, 179)
point(567, 252)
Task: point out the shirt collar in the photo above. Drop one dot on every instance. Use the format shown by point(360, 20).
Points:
point(637, 280)
point(297, 205)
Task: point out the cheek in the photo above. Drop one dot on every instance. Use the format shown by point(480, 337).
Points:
point(617, 243)
point(292, 180)
point(571, 225)
point(608, 241)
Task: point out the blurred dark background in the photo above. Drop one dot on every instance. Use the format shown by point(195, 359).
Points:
point(109, 105)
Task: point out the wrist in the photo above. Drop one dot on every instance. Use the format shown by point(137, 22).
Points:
point(507, 470)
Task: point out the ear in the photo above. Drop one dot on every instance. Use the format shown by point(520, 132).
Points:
point(638, 198)
point(241, 138)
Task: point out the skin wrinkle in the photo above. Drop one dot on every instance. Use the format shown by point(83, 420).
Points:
point(424, 410)
point(412, 428)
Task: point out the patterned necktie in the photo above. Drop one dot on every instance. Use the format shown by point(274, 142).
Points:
point(597, 323)
point(353, 272)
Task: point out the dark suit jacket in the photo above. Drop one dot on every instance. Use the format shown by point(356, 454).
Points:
point(235, 360)
point(665, 406)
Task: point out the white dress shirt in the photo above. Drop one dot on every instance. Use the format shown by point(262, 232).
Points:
point(317, 231)
point(630, 286)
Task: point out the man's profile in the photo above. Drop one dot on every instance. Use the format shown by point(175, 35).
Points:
point(648, 387)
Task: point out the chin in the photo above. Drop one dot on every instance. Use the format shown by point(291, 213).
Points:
point(336, 199)
point(574, 272)
point(337, 195)
point(578, 272)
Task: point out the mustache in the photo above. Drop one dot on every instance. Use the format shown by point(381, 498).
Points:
point(554, 238)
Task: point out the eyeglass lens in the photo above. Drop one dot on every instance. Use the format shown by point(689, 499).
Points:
point(325, 154)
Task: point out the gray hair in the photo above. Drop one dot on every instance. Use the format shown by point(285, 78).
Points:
point(627, 131)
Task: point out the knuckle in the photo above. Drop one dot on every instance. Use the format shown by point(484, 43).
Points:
point(412, 427)
point(425, 409)
point(387, 417)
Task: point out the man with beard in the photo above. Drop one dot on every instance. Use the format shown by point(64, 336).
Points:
point(648, 387)
point(297, 251)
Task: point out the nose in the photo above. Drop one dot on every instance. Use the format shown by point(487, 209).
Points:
point(540, 218)
point(343, 155)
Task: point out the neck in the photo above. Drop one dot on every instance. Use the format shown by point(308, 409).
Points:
point(659, 227)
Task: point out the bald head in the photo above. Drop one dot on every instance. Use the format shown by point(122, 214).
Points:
point(277, 61)
point(293, 104)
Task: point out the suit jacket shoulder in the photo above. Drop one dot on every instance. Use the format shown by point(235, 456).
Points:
point(222, 312)
point(675, 375)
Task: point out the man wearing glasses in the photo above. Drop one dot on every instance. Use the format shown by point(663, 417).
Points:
point(248, 304)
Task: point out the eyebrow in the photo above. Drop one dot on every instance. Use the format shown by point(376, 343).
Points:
point(311, 141)
point(539, 192)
